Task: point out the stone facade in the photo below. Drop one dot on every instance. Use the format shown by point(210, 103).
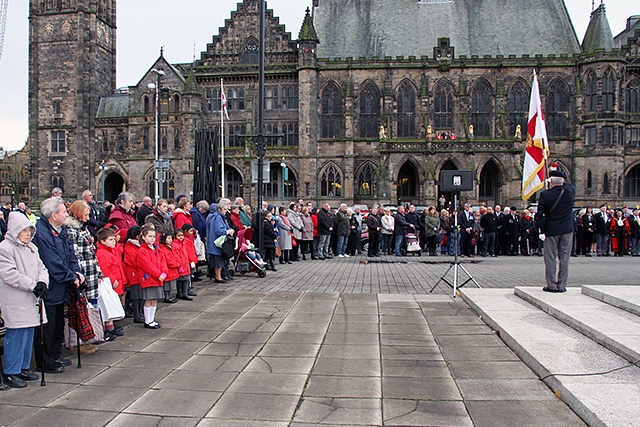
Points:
point(327, 114)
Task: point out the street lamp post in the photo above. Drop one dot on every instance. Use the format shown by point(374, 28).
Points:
point(103, 168)
point(157, 166)
point(285, 172)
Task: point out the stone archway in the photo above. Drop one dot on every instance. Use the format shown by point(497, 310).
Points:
point(408, 184)
point(113, 185)
point(445, 198)
point(489, 191)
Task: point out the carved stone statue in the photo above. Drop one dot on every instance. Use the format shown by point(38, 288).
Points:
point(429, 133)
point(471, 131)
point(382, 134)
point(518, 134)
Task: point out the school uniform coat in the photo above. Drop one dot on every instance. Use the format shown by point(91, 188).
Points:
point(112, 266)
point(130, 260)
point(172, 262)
point(151, 265)
point(20, 269)
point(180, 252)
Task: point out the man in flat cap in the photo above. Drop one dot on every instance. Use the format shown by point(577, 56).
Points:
point(555, 209)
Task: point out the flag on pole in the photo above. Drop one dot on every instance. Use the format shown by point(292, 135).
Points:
point(537, 149)
point(224, 100)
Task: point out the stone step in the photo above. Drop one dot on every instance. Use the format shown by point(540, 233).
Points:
point(598, 385)
point(616, 329)
point(624, 297)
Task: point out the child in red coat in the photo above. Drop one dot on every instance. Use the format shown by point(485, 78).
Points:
point(184, 271)
point(130, 260)
point(109, 260)
point(192, 256)
point(166, 243)
point(152, 270)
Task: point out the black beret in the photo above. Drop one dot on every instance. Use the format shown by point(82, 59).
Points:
point(557, 173)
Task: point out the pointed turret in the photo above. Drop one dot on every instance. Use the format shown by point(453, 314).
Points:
point(308, 31)
point(598, 35)
point(190, 84)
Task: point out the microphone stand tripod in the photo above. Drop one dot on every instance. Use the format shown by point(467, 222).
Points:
point(456, 261)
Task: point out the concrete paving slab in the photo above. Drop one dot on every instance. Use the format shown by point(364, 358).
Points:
point(425, 413)
point(213, 422)
point(289, 350)
point(476, 353)
point(414, 319)
point(333, 338)
point(127, 420)
point(127, 377)
point(415, 369)
point(504, 389)
point(404, 352)
point(60, 417)
point(469, 340)
point(173, 403)
point(548, 413)
point(347, 367)
point(10, 414)
point(268, 383)
point(356, 328)
point(624, 297)
point(491, 370)
point(192, 335)
point(296, 337)
point(196, 380)
point(233, 337)
point(172, 346)
point(73, 375)
point(443, 329)
point(420, 388)
point(343, 386)
point(355, 318)
point(227, 349)
point(36, 395)
point(281, 365)
point(252, 325)
point(263, 407)
point(159, 361)
point(414, 329)
point(311, 328)
point(212, 363)
point(348, 351)
point(332, 411)
point(108, 398)
point(408, 340)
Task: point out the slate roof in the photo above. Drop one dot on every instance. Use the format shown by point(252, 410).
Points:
point(113, 106)
point(358, 28)
point(598, 34)
point(633, 24)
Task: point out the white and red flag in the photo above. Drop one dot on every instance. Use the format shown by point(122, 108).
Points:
point(537, 150)
point(223, 97)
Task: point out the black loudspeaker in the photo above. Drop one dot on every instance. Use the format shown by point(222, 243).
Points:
point(451, 180)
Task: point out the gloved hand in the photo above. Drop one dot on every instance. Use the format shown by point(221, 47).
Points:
point(542, 237)
point(41, 291)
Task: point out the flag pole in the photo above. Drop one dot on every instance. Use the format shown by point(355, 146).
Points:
point(222, 102)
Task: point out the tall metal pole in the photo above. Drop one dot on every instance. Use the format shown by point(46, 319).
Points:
point(260, 134)
point(103, 166)
point(156, 164)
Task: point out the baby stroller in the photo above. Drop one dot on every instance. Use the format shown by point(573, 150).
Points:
point(413, 244)
point(247, 259)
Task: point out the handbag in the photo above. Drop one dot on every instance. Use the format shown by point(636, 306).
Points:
point(95, 324)
point(201, 250)
point(294, 241)
point(229, 247)
point(109, 301)
point(278, 251)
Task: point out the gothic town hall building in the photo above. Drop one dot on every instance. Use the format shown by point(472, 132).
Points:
point(447, 80)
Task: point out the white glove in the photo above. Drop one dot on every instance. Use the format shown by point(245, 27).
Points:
point(192, 265)
point(542, 237)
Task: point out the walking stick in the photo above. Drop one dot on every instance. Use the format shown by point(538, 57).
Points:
point(41, 311)
point(78, 328)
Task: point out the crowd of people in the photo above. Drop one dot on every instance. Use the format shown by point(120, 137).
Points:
point(150, 252)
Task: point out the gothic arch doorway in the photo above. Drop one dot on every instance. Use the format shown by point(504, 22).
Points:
point(445, 198)
point(408, 185)
point(489, 191)
point(113, 185)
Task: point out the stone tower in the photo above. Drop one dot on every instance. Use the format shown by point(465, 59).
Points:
point(72, 63)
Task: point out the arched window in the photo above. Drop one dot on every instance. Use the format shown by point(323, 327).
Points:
point(235, 99)
point(235, 140)
point(406, 103)
point(251, 52)
point(290, 98)
point(176, 139)
point(105, 141)
point(443, 106)
point(556, 114)
point(331, 119)
point(176, 103)
point(369, 111)
point(591, 93)
point(121, 141)
point(291, 186)
point(605, 184)
point(331, 182)
point(589, 179)
point(518, 107)
point(632, 183)
point(365, 181)
point(290, 131)
point(58, 181)
point(272, 188)
point(407, 182)
point(608, 91)
point(632, 100)
point(145, 138)
point(233, 182)
point(145, 102)
point(212, 98)
point(164, 141)
point(481, 107)
point(489, 180)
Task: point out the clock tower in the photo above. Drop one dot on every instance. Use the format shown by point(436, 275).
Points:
point(72, 63)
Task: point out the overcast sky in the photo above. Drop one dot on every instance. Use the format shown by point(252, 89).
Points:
point(146, 25)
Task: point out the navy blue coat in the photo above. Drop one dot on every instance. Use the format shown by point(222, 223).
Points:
point(57, 254)
point(560, 220)
point(199, 222)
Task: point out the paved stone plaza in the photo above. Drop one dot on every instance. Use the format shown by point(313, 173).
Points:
point(332, 343)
